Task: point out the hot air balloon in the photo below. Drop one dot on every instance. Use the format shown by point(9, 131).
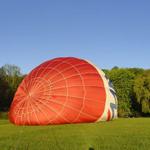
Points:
point(64, 90)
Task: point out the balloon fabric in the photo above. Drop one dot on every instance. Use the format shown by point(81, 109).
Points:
point(64, 90)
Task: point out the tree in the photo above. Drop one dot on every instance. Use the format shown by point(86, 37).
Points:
point(123, 80)
point(142, 91)
point(10, 78)
point(11, 70)
point(3, 90)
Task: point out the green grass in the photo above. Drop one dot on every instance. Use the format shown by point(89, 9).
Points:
point(121, 134)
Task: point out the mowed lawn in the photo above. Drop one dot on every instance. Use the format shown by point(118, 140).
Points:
point(121, 134)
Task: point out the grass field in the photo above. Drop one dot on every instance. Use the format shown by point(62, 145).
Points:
point(121, 134)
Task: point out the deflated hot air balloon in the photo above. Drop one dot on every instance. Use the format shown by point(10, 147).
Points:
point(64, 90)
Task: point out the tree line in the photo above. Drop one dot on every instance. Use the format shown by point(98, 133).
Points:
point(132, 86)
point(10, 78)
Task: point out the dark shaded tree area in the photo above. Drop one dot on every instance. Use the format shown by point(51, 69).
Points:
point(132, 87)
point(10, 78)
point(142, 92)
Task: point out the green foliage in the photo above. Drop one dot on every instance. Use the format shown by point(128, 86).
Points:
point(127, 134)
point(136, 71)
point(4, 87)
point(123, 80)
point(10, 78)
point(11, 70)
point(142, 91)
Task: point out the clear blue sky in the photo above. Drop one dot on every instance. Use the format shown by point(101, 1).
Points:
point(107, 32)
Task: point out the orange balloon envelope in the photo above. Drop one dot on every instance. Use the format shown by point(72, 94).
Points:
point(64, 90)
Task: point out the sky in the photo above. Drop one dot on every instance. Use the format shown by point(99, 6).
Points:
point(107, 32)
